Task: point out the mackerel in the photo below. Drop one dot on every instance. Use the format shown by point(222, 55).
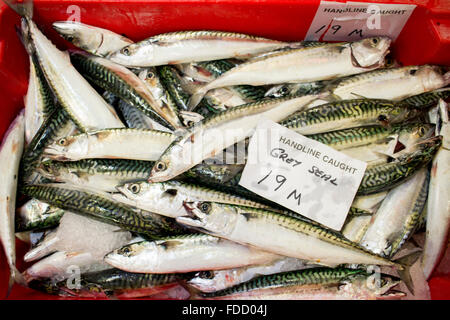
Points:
point(84, 105)
point(121, 284)
point(166, 198)
point(355, 227)
point(126, 85)
point(348, 114)
point(10, 152)
point(184, 254)
point(101, 174)
point(132, 144)
point(97, 41)
point(387, 176)
point(392, 83)
point(215, 280)
point(369, 203)
point(427, 99)
point(219, 132)
point(100, 207)
point(313, 284)
point(438, 207)
point(398, 216)
point(325, 62)
point(259, 228)
point(189, 46)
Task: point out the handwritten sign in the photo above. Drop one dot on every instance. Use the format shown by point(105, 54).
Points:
point(352, 21)
point(301, 174)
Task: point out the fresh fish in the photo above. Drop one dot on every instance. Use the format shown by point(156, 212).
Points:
point(36, 215)
point(314, 284)
point(126, 85)
point(166, 198)
point(38, 102)
point(97, 41)
point(101, 174)
point(219, 132)
point(10, 152)
point(132, 144)
point(100, 207)
point(348, 114)
point(398, 216)
point(214, 173)
point(189, 46)
point(84, 105)
point(304, 65)
point(172, 82)
point(56, 126)
point(391, 84)
point(253, 226)
point(215, 280)
point(190, 118)
point(182, 254)
point(362, 136)
point(121, 284)
point(387, 176)
point(438, 208)
point(136, 119)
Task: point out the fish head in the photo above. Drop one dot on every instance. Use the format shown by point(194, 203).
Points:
point(135, 257)
point(133, 55)
point(431, 76)
point(50, 169)
point(214, 218)
point(33, 207)
point(370, 286)
point(80, 35)
point(67, 148)
point(177, 159)
point(413, 133)
point(208, 281)
point(370, 52)
point(389, 113)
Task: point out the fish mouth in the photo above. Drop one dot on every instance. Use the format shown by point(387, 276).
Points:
point(190, 207)
point(192, 217)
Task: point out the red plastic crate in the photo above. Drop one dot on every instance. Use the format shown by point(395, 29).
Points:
point(424, 39)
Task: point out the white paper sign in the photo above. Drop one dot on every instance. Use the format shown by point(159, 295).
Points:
point(351, 21)
point(301, 174)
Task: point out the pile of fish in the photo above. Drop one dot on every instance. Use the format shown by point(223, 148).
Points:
point(127, 159)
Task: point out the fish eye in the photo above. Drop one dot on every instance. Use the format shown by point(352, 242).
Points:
point(382, 117)
point(135, 188)
point(422, 131)
point(69, 38)
point(206, 275)
point(375, 40)
point(150, 75)
point(190, 123)
point(125, 251)
point(126, 51)
point(62, 142)
point(160, 166)
point(413, 72)
point(205, 207)
point(283, 90)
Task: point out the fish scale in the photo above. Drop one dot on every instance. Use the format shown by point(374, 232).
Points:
point(428, 98)
point(102, 209)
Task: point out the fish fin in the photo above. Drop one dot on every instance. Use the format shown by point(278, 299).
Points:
point(406, 262)
point(197, 97)
point(22, 8)
point(358, 95)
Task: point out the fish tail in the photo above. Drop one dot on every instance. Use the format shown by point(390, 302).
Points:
point(15, 277)
point(404, 272)
point(23, 8)
point(197, 97)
